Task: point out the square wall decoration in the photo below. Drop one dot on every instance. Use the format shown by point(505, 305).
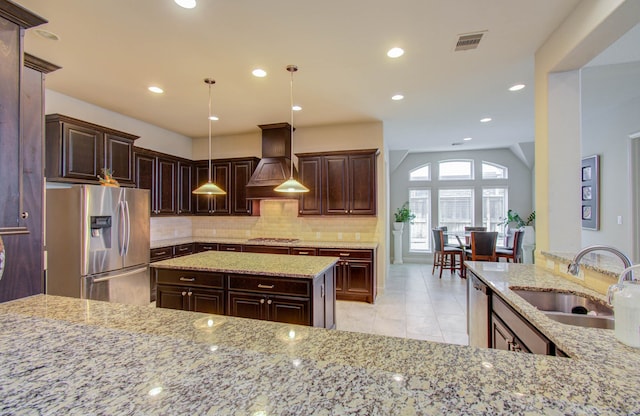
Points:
point(590, 182)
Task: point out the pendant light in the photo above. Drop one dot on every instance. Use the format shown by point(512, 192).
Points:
point(209, 188)
point(291, 185)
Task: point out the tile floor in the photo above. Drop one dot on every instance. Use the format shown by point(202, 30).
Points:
point(415, 304)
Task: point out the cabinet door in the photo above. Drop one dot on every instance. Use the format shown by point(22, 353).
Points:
point(358, 278)
point(167, 186)
point(119, 158)
point(246, 305)
point(145, 168)
point(362, 184)
point(289, 310)
point(172, 297)
point(203, 203)
point(310, 175)
point(82, 149)
point(185, 187)
point(200, 247)
point(336, 179)
point(206, 300)
point(341, 273)
point(183, 249)
point(222, 178)
point(240, 175)
point(230, 247)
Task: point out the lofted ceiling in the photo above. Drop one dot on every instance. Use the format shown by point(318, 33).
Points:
point(112, 50)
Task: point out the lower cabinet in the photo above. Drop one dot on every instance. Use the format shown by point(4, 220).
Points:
point(511, 332)
point(265, 249)
point(191, 291)
point(200, 247)
point(270, 307)
point(355, 274)
point(183, 249)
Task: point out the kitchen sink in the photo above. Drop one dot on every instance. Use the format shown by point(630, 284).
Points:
point(570, 308)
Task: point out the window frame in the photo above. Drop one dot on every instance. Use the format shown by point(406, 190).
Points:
point(471, 176)
point(505, 169)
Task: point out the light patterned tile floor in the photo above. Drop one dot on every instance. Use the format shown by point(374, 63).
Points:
point(415, 304)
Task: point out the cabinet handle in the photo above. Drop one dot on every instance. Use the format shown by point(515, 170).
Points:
point(24, 215)
point(269, 301)
point(321, 291)
point(184, 293)
point(190, 293)
point(303, 253)
point(160, 253)
point(350, 211)
point(207, 247)
point(345, 254)
point(346, 211)
point(187, 279)
point(230, 249)
point(183, 249)
point(261, 286)
point(261, 300)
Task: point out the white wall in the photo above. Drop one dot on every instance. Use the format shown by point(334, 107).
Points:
point(151, 137)
point(611, 105)
point(520, 191)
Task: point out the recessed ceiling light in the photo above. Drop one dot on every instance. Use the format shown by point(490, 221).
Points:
point(466, 139)
point(47, 35)
point(395, 52)
point(260, 73)
point(516, 87)
point(187, 4)
point(214, 118)
point(397, 97)
point(485, 120)
point(156, 90)
point(296, 108)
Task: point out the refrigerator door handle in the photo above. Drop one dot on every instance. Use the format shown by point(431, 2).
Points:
point(104, 279)
point(127, 226)
point(121, 229)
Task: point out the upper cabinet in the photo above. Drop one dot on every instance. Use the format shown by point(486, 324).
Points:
point(161, 175)
point(13, 22)
point(340, 183)
point(78, 151)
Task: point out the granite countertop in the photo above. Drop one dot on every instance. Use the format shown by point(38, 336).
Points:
point(281, 265)
point(70, 356)
point(606, 263)
point(369, 245)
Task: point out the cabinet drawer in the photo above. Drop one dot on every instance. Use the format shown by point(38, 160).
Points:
point(304, 251)
point(265, 284)
point(230, 247)
point(533, 340)
point(200, 247)
point(190, 278)
point(183, 250)
point(265, 249)
point(347, 254)
point(160, 253)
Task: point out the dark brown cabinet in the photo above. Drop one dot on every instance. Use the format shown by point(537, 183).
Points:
point(265, 249)
point(191, 291)
point(230, 247)
point(185, 188)
point(304, 251)
point(78, 151)
point(241, 171)
point(183, 250)
point(511, 332)
point(159, 174)
point(267, 307)
point(355, 274)
point(200, 247)
point(340, 183)
point(221, 176)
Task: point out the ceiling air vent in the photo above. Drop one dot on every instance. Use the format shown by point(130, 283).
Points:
point(468, 41)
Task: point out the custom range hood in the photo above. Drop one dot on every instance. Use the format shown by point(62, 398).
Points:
point(275, 165)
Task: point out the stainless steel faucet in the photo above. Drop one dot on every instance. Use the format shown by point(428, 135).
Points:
point(574, 267)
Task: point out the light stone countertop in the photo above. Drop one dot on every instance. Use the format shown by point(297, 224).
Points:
point(70, 356)
point(281, 265)
point(601, 262)
point(300, 243)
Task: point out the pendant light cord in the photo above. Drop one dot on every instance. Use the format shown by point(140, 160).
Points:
point(209, 121)
point(291, 110)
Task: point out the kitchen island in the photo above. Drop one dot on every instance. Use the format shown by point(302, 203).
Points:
point(71, 356)
point(276, 287)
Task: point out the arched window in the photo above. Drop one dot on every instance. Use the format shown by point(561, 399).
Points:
point(455, 169)
point(422, 173)
point(493, 171)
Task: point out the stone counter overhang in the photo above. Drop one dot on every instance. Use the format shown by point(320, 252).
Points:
point(366, 245)
point(70, 356)
point(280, 265)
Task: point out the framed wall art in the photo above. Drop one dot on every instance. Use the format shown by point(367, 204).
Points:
point(590, 182)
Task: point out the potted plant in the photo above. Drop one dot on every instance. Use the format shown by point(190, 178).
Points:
point(529, 238)
point(402, 215)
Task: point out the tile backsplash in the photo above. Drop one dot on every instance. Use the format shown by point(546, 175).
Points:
point(278, 218)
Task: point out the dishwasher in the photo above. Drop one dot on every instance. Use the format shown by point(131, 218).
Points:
point(478, 312)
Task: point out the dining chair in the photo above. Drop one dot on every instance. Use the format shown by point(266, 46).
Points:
point(515, 252)
point(469, 229)
point(483, 246)
point(445, 257)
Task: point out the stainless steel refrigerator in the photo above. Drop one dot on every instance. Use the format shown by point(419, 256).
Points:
point(97, 243)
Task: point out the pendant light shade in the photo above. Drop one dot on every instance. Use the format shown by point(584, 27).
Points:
point(291, 185)
point(209, 188)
